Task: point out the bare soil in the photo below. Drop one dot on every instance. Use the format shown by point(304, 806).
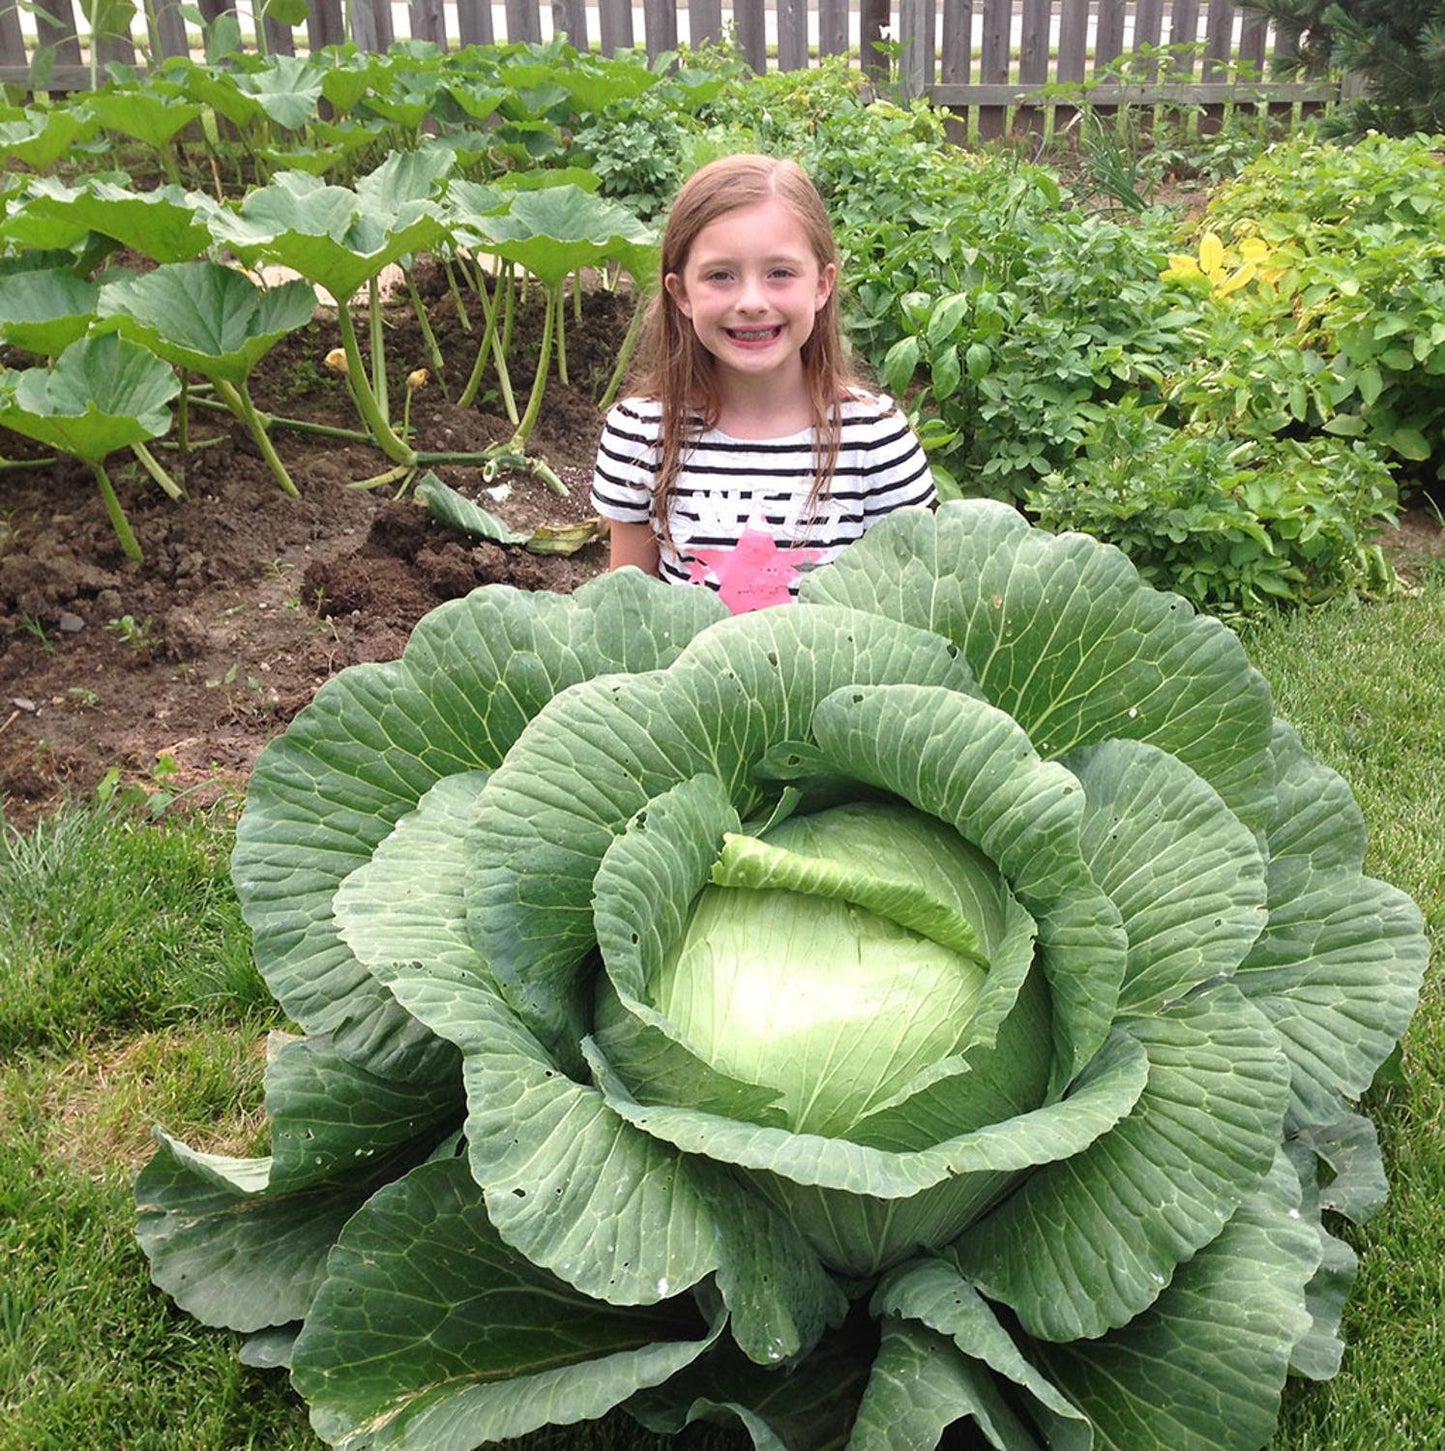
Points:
point(178, 670)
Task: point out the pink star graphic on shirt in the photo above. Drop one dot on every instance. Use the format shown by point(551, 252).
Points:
point(754, 574)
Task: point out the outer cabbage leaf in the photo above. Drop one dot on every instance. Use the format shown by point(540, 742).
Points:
point(243, 1242)
point(375, 738)
point(431, 1332)
point(1338, 968)
point(1204, 1366)
point(1063, 636)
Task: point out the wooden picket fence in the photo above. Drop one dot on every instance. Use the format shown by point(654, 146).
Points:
point(998, 59)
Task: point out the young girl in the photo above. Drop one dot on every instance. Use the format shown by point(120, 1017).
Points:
point(746, 452)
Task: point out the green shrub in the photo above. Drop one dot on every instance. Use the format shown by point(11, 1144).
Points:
point(1395, 48)
point(1344, 330)
point(1039, 318)
point(1231, 525)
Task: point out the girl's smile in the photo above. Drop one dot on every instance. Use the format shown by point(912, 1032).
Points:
point(752, 287)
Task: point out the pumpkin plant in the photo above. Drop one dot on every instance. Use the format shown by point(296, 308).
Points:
point(102, 394)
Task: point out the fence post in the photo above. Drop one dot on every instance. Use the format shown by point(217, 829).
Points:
point(659, 18)
point(474, 22)
point(792, 16)
point(325, 24)
point(428, 22)
point(993, 66)
point(752, 33)
point(1184, 21)
point(569, 17)
point(615, 25)
point(1148, 26)
point(956, 63)
point(524, 21)
point(371, 26)
point(832, 26)
point(873, 18)
point(12, 39)
point(1036, 19)
point(915, 46)
point(55, 26)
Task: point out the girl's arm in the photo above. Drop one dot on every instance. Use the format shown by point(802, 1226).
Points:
point(633, 544)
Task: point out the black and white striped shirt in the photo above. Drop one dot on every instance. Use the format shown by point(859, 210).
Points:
point(729, 487)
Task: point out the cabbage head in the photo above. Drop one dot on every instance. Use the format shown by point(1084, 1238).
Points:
point(941, 1001)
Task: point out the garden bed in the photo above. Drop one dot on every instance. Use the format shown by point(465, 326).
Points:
point(175, 672)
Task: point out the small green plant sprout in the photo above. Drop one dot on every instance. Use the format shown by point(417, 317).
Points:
point(215, 321)
point(104, 393)
point(137, 634)
point(153, 796)
point(34, 626)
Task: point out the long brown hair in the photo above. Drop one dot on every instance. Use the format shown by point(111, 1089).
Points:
point(673, 367)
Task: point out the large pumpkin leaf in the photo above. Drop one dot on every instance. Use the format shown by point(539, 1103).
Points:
point(325, 233)
point(166, 225)
point(102, 394)
point(554, 231)
point(211, 319)
point(45, 311)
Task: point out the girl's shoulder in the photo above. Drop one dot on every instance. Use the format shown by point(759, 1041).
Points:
point(635, 410)
point(870, 420)
point(860, 406)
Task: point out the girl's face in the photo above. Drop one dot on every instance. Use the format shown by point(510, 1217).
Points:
point(752, 287)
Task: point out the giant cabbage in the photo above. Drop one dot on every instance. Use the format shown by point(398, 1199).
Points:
point(939, 1001)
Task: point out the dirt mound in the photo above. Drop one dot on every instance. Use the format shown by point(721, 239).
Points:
point(179, 669)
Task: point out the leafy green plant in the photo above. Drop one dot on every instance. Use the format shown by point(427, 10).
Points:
point(1394, 48)
point(340, 239)
point(1038, 319)
point(39, 136)
point(556, 232)
point(153, 112)
point(1344, 328)
point(215, 321)
point(102, 394)
point(554, 1143)
point(1232, 525)
point(166, 225)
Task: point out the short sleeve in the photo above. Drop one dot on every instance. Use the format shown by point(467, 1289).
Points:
point(893, 466)
point(626, 469)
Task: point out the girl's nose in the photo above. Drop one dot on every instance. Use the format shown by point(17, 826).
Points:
point(750, 296)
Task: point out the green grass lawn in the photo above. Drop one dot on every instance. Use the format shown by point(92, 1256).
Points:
point(127, 997)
